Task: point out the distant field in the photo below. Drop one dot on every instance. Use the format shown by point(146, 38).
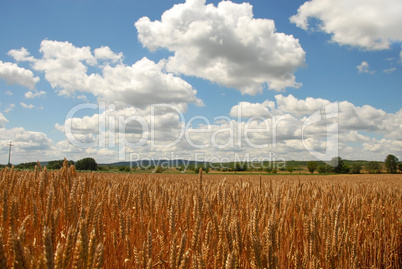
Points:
point(65, 219)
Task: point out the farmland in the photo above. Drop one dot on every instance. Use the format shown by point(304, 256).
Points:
point(66, 219)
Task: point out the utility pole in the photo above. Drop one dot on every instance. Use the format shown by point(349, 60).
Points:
point(9, 154)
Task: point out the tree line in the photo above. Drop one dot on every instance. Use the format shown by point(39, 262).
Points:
point(337, 165)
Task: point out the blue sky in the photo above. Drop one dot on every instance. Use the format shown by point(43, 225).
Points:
point(279, 59)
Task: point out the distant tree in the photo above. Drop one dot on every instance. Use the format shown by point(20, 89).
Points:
point(30, 165)
point(204, 168)
point(312, 166)
point(86, 164)
point(158, 169)
point(124, 168)
point(391, 164)
point(356, 168)
point(57, 164)
point(290, 169)
point(400, 167)
point(373, 167)
point(240, 167)
point(325, 168)
point(274, 171)
point(339, 166)
point(103, 168)
point(321, 168)
point(180, 168)
point(268, 169)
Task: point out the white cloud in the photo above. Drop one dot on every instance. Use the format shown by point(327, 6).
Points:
point(389, 70)
point(3, 120)
point(364, 68)
point(365, 118)
point(277, 124)
point(353, 136)
point(141, 84)
point(9, 108)
point(9, 93)
point(283, 105)
point(371, 25)
point(27, 145)
point(290, 104)
point(393, 126)
point(13, 74)
point(82, 97)
point(248, 110)
point(378, 149)
point(31, 94)
point(27, 106)
point(105, 53)
point(356, 124)
point(224, 44)
point(21, 55)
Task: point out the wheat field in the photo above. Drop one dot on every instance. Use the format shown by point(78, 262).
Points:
point(65, 219)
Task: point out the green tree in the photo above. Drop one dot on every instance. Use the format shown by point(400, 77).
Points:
point(268, 169)
point(86, 164)
point(30, 165)
point(240, 167)
point(391, 164)
point(324, 168)
point(339, 166)
point(312, 166)
point(205, 168)
point(400, 167)
point(290, 169)
point(57, 164)
point(158, 169)
point(373, 167)
point(356, 168)
point(124, 168)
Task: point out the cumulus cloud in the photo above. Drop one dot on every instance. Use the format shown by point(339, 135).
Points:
point(357, 125)
point(282, 105)
point(377, 149)
point(350, 117)
point(9, 108)
point(141, 84)
point(105, 53)
point(258, 129)
point(371, 25)
point(3, 120)
point(248, 110)
point(224, 44)
point(299, 108)
point(34, 94)
point(364, 68)
point(144, 83)
point(21, 55)
point(27, 145)
point(27, 106)
point(13, 74)
point(389, 70)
